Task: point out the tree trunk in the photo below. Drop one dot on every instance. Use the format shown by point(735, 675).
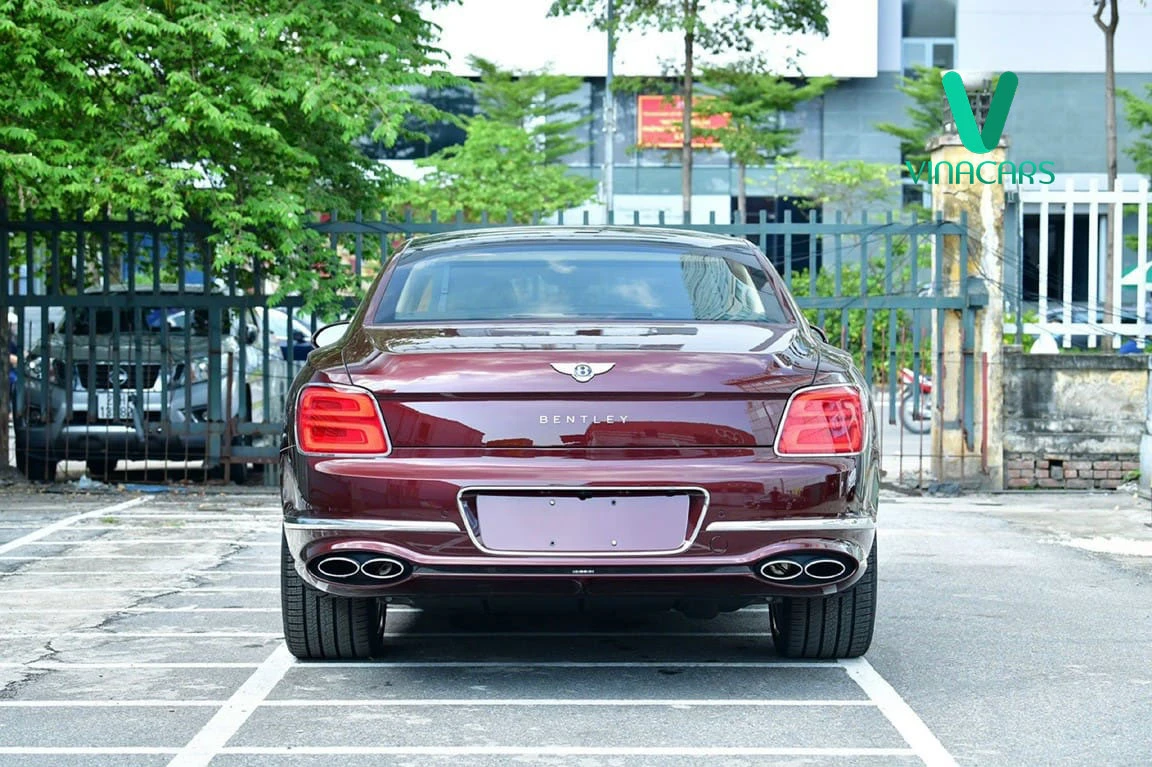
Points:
point(741, 192)
point(686, 148)
point(1109, 29)
point(1110, 95)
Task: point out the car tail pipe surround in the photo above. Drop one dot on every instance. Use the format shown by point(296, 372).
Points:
point(359, 568)
point(811, 563)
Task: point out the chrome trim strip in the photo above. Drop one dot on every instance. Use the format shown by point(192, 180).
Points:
point(579, 488)
point(372, 525)
point(858, 523)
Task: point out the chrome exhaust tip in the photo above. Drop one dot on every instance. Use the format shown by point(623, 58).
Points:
point(781, 570)
point(825, 569)
point(337, 567)
point(382, 568)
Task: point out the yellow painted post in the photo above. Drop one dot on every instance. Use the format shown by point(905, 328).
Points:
point(974, 460)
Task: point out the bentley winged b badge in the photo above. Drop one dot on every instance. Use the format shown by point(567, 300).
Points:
point(583, 372)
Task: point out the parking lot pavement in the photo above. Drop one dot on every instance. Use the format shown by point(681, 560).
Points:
point(146, 631)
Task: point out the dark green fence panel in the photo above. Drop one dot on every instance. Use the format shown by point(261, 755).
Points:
point(126, 329)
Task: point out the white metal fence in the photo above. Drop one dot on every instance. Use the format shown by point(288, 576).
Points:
point(1118, 282)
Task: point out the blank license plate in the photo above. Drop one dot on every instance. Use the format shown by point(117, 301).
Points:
point(106, 407)
point(597, 524)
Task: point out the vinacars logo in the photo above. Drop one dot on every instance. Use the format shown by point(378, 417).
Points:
point(981, 140)
point(975, 140)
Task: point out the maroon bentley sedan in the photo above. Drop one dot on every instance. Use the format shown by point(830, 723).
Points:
point(577, 417)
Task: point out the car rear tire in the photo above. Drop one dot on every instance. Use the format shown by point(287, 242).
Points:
point(319, 626)
point(36, 469)
point(826, 628)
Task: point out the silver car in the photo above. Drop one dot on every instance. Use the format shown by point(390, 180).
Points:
point(133, 380)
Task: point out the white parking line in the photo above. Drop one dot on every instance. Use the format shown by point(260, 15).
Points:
point(137, 610)
point(461, 635)
point(580, 702)
point(90, 574)
point(213, 736)
point(704, 751)
point(70, 557)
point(85, 750)
point(112, 704)
point(112, 541)
point(451, 702)
point(329, 665)
point(60, 524)
point(538, 751)
point(926, 746)
point(176, 589)
point(669, 664)
point(48, 665)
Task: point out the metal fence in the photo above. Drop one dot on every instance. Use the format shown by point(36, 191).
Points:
point(133, 347)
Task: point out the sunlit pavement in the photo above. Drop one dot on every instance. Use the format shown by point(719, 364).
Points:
point(145, 630)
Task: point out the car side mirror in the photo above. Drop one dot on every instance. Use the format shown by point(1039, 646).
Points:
point(251, 333)
point(329, 334)
point(820, 332)
point(298, 336)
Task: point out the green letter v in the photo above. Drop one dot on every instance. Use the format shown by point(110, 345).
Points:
point(973, 140)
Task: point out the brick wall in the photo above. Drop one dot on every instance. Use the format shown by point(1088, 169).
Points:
point(1073, 421)
point(1023, 471)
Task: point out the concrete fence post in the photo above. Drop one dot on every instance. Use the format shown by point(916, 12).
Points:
point(972, 460)
point(1144, 484)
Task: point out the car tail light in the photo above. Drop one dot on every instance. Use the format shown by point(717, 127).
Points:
point(340, 421)
point(823, 420)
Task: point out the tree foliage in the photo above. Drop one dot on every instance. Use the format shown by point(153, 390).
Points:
point(241, 115)
point(534, 102)
point(847, 185)
point(500, 170)
point(1138, 113)
point(706, 27)
point(925, 113)
point(756, 102)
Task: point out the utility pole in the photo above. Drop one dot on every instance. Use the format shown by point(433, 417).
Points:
point(609, 122)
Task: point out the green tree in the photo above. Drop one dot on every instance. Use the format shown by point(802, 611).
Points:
point(244, 115)
point(925, 114)
point(755, 102)
point(849, 186)
point(1138, 114)
point(706, 27)
point(532, 101)
point(499, 170)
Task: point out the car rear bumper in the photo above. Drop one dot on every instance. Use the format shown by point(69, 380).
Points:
point(412, 510)
point(69, 425)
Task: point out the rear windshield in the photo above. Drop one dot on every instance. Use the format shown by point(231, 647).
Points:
point(567, 284)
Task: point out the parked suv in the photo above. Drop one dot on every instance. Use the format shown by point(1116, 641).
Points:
point(124, 381)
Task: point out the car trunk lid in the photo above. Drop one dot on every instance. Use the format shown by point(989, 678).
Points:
point(701, 385)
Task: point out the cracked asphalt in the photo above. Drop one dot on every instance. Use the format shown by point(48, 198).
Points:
point(144, 629)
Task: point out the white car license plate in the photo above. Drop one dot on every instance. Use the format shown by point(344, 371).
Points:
point(106, 407)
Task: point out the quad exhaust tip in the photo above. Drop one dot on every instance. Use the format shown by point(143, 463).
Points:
point(825, 569)
point(382, 568)
point(358, 567)
point(337, 567)
point(781, 570)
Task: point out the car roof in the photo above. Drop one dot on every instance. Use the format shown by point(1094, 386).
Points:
point(584, 235)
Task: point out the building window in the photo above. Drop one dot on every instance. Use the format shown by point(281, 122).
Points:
point(929, 31)
point(928, 52)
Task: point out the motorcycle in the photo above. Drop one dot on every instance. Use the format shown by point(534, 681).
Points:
point(916, 412)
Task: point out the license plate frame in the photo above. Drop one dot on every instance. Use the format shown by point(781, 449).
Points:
point(106, 410)
point(594, 524)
